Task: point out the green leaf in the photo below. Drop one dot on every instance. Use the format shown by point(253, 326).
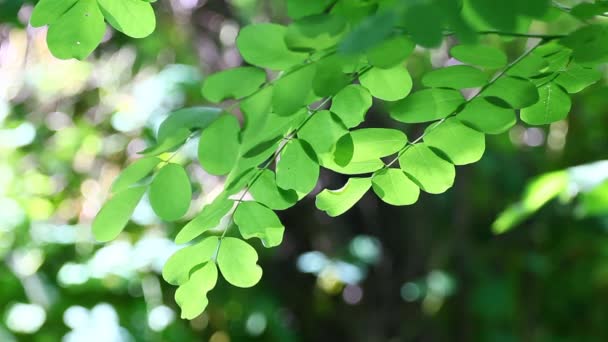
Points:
point(170, 192)
point(369, 33)
point(209, 218)
point(135, 18)
point(329, 78)
point(264, 45)
point(488, 115)
point(391, 52)
point(134, 173)
point(181, 122)
point(297, 168)
point(368, 144)
point(233, 83)
point(115, 213)
point(293, 91)
point(354, 167)
point(77, 32)
point(588, 44)
point(255, 109)
point(48, 12)
point(192, 295)
point(351, 104)
point(427, 105)
point(461, 144)
point(237, 261)
point(423, 21)
point(394, 187)
point(531, 65)
point(456, 76)
point(219, 145)
point(177, 269)
point(266, 191)
point(554, 105)
point(237, 179)
point(322, 140)
point(169, 143)
point(517, 92)
point(387, 84)
point(480, 55)
point(316, 32)
point(337, 202)
point(257, 221)
point(301, 8)
point(432, 173)
point(576, 78)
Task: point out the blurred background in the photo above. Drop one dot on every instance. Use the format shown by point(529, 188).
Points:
point(434, 271)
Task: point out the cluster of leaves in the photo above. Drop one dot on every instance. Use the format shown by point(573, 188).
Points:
point(333, 60)
point(77, 27)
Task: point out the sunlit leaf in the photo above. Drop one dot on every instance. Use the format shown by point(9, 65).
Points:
point(554, 105)
point(293, 91)
point(488, 115)
point(48, 12)
point(432, 173)
point(170, 192)
point(297, 168)
point(351, 104)
point(517, 92)
point(219, 145)
point(191, 296)
point(209, 218)
point(427, 105)
point(387, 84)
point(77, 32)
point(233, 83)
point(264, 45)
point(135, 18)
point(237, 261)
point(266, 191)
point(115, 213)
point(134, 173)
point(177, 269)
point(394, 187)
point(391, 52)
point(368, 144)
point(257, 221)
point(456, 76)
point(480, 55)
point(337, 202)
point(461, 144)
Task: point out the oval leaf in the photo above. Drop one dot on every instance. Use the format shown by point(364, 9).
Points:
point(427, 105)
point(238, 263)
point(134, 173)
point(387, 84)
point(351, 104)
point(266, 191)
point(135, 18)
point(264, 45)
point(456, 76)
point(255, 220)
point(554, 105)
point(432, 173)
point(170, 192)
point(461, 144)
point(115, 213)
point(480, 55)
point(394, 187)
point(297, 168)
point(233, 83)
point(218, 147)
point(488, 115)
